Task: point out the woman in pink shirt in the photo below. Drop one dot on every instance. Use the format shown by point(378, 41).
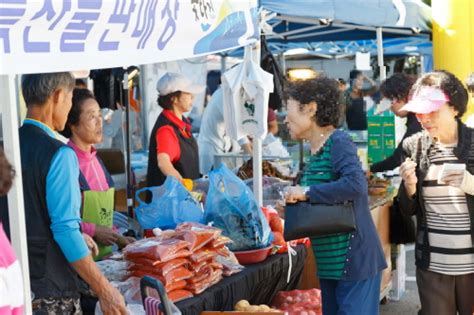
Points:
point(11, 284)
point(84, 129)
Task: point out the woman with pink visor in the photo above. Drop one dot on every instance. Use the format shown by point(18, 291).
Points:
point(438, 187)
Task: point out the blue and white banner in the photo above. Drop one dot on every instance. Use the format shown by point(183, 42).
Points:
point(59, 35)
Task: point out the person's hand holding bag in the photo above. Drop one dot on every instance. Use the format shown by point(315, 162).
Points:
point(295, 194)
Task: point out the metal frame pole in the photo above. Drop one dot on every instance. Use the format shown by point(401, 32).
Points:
point(383, 73)
point(16, 207)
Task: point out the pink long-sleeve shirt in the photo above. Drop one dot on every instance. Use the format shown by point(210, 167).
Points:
point(94, 174)
point(11, 284)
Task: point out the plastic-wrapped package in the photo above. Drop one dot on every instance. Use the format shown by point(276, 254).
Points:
point(178, 274)
point(199, 277)
point(153, 248)
point(199, 287)
point(230, 266)
point(231, 207)
point(220, 241)
point(198, 235)
point(162, 268)
point(172, 264)
point(132, 260)
point(165, 234)
point(130, 289)
point(202, 255)
point(179, 295)
point(175, 285)
point(196, 267)
point(113, 270)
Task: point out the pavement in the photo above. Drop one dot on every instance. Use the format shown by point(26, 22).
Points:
point(410, 302)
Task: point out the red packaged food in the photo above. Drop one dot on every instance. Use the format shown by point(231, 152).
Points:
point(168, 266)
point(176, 285)
point(178, 274)
point(144, 261)
point(220, 242)
point(193, 226)
point(202, 255)
point(196, 267)
point(201, 276)
point(199, 287)
point(179, 295)
point(145, 268)
point(198, 235)
point(153, 248)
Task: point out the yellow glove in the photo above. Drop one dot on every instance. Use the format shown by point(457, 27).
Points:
point(188, 183)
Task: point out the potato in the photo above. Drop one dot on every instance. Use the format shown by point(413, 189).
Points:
point(264, 307)
point(241, 305)
point(252, 308)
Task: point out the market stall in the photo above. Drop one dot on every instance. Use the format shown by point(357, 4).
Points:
point(90, 35)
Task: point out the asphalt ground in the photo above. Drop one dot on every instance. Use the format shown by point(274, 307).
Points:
point(410, 302)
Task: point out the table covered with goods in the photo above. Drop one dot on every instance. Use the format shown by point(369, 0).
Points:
point(207, 257)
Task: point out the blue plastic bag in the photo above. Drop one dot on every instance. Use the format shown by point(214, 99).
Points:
point(231, 206)
point(171, 204)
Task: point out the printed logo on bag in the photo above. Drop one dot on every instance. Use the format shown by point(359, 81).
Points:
point(250, 108)
point(104, 215)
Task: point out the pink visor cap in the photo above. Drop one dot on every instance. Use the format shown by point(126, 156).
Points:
point(426, 100)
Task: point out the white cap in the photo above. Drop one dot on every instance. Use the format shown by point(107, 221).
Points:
point(174, 82)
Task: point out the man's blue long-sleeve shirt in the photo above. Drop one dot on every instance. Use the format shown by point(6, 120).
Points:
point(63, 199)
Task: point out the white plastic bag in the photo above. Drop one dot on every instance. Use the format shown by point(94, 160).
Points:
point(246, 89)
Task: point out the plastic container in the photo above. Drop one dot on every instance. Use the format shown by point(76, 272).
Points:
point(253, 256)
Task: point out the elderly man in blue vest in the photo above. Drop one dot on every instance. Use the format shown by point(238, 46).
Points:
point(59, 256)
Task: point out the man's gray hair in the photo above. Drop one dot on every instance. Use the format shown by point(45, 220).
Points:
point(38, 87)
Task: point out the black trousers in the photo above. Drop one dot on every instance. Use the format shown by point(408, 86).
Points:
point(444, 294)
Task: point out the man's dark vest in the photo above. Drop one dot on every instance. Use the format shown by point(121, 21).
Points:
point(50, 273)
point(188, 164)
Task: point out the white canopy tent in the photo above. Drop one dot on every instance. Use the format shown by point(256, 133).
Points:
point(50, 36)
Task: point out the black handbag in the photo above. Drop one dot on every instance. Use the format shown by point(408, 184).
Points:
point(305, 219)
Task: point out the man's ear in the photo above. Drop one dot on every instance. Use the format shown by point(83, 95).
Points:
point(56, 96)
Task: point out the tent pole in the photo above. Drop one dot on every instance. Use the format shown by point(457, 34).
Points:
point(128, 148)
point(283, 63)
point(422, 64)
point(257, 143)
point(16, 207)
point(223, 63)
point(383, 74)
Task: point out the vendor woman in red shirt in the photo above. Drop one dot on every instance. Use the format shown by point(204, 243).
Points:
point(173, 151)
point(84, 129)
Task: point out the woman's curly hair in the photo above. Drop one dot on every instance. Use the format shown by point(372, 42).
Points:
point(398, 86)
point(7, 173)
point(324, 92)
point(449, 84)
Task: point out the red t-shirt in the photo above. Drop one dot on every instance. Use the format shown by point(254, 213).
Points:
point(271, 115)
point(166, 138)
